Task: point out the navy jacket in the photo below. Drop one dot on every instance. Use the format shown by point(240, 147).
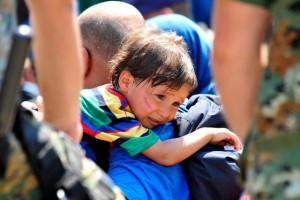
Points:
point(212, 172)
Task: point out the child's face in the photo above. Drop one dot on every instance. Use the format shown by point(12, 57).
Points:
point(153, 106)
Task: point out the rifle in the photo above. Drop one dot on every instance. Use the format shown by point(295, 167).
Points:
point(10, 89)
point(38, 161)
point(12, 77)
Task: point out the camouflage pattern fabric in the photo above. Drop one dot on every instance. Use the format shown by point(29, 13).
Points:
point(39, 162)
point(18, 180)
point(273, 164)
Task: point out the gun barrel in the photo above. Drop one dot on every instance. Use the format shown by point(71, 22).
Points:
point(12, 77)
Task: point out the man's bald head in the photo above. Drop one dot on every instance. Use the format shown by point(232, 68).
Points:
point(103, 27)
point(114, 9)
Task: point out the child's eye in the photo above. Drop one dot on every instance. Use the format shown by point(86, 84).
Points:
point(176, 104)
point(160, 96)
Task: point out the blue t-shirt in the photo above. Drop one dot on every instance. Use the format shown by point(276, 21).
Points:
point(147, 6)
point(201, 11)
point(140, 178)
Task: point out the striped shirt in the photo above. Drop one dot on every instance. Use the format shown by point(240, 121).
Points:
point(106, 115)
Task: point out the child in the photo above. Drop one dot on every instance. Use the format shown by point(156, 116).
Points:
point(151, 75)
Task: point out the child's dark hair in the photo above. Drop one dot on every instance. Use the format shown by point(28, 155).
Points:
point(158, 57)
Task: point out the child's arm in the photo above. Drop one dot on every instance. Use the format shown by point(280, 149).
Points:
point(170, 152)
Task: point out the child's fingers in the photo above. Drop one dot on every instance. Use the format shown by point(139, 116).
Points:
point(235, 141)
point(223, 136)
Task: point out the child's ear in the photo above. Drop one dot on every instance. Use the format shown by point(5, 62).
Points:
point(125, 81)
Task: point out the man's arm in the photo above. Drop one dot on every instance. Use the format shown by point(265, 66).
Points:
point(56, 46)
point(239, 31)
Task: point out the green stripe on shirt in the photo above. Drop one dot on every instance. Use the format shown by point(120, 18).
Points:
point(135, 146)
point(90, 107)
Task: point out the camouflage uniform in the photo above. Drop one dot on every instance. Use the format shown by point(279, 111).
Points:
point(39, 162)
point(272, 147)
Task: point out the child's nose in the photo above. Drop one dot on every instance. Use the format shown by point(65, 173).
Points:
point(164, 111)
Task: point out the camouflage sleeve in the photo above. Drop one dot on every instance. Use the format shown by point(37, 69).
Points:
point(17, 177)
point(44, 163)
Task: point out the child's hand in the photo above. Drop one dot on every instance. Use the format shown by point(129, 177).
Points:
point(223, 136)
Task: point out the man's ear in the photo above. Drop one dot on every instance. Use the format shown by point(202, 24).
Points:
point(125, 81)
point(86, 61)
